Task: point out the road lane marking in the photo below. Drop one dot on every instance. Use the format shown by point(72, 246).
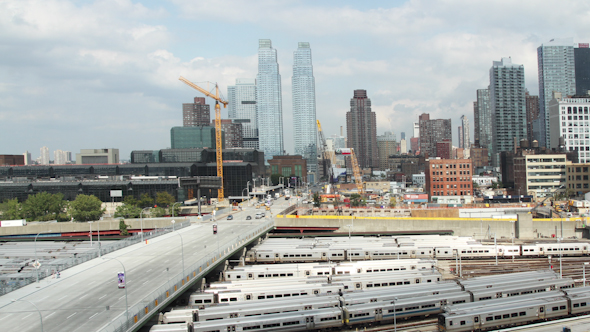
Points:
point(6, 316)
point(83, 296)
point(122, 297)
point(49, 315)
point(148, 270)
point(27, 316)
point(145, 282)
point(43, 298)
point(101, 297)
point(63, 297)
point(93, 316)
point(71, 315)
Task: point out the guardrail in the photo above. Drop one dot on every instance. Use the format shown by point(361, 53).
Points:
point(178, 283)
point(7, 286)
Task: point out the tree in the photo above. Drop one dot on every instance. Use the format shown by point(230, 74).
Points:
point(44, 206)
point(130, 200)
point(86, 208)
point(392, 202)
point(123, 227)
point(127, 211)
point(316, 200)
point(356, 200)
point(164, 199)
point(157, 212)
point(475, 185)
point(145, 201)
point(11, 209)
point(275, 178)
point(496, 185)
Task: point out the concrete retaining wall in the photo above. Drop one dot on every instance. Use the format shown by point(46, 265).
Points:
point(477, 228)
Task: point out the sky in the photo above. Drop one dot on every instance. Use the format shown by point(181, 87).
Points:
point(80, 74)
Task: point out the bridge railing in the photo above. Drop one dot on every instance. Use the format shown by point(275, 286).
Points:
point(179, 282)
point(7, 284)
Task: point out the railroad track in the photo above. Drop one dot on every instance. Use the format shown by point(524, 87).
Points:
point(425, 325)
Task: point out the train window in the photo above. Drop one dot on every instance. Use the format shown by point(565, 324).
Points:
point(275, 275)
point(207, 301)
point(561, 307)
point(428, 305)
point(270, 296)
point(289, 274)
point(304, 293)
point(576, 305)
point(358, 285)
point(554, 308)
point(522, 313)
point(290, 323)
point(248, 297)
point(506, 316)
point(406, 282)
point(583, 304)
point(462, 322)
point(400, 283)
point(450, 323)
point(261, 297)
point(489, 319)
point(476, 319)
point(541, 309)
point(223, 300)
point(271, 325)
point(324, 254)
point(369, 285)
point(498, 317)
point(514, 314)
point(417, 281)
point(306, 273)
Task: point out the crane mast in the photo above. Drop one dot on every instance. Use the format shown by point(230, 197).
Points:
point(218, 143)
point(326, 165)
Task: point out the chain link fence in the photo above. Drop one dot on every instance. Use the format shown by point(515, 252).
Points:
point(11, 282)
point(159, 298)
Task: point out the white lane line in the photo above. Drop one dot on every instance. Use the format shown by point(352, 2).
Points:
point(71, 315)
point(122, 297)
point(43, 298)
point(145, 282)
point(7, 316)
point(63, 297)
point(49, 315)
point(93, 316)
point(91, 283)
point(148, 270)
point(101, 297)
point(27, 316)
point(83, 296)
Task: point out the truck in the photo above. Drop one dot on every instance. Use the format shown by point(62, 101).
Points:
point(13, 223)
point(287, 194)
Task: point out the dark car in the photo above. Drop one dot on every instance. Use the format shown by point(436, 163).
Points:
point(249, 218)
point(230, 217)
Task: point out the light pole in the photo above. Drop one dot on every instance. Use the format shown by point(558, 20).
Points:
point(90, 223)
point(33, 304)
point(560, 270)
point(36, 260)
point(181, 247)
point(126, 299)
point(496, 248)
point(584, 272)
point(394, 315)
point(173, 208)
point(141, 217)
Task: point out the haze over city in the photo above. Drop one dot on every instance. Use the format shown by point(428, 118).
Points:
point(96, 74)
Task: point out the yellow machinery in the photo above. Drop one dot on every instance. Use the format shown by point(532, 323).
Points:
point(218, 143)
point(358, 180)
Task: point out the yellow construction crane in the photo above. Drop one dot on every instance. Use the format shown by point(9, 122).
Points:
point(358, 180)
point(218, 143)
point(325, 157)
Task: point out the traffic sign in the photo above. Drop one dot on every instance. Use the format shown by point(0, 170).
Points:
point(36, 264)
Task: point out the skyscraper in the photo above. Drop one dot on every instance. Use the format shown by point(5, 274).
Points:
point(44, 156)
point(464, 137)
point(432, 132)
point(582, 64)
point(242, 109)
point(532, 114)
point(269, 102)
point(556, 73)
point(196, 114)
point(387, 146)
point(482, 116)
point(361, 130)
point(508, 105)
point(304, 117)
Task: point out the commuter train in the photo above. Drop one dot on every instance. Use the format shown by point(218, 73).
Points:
point(440, 251)
point(456, 312)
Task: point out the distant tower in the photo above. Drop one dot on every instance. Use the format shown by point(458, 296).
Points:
point(242, 108)
point(361, 130)
point(508, 105)
point(304, 116)
point(196, 114)
point(464, 139)
point(482, 116)
point(269, 102)
point(432, 132)
point(582, 65)
point(556, 74)
point(28, 160)
point(532, 115)
point(44, 155)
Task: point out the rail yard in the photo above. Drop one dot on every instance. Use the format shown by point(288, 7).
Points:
point(445, 283)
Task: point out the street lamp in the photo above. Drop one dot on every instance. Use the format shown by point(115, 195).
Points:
point(36, 260)
point(33, 304)
point(584, 272)
point(560, 270)
point(141, 217)
point(173, 208)
point(394, 315)
point(126, 299)
point(181, 247)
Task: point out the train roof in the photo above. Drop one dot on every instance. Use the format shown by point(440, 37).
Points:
point(501, 301)
point(478, 309)
point(275, 317)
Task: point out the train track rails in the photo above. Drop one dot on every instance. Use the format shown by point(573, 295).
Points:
point(425, 325)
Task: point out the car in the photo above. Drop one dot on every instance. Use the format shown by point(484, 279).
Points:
point(249, 218)
point(230, 217)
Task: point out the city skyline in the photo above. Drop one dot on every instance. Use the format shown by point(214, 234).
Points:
point(116, 85)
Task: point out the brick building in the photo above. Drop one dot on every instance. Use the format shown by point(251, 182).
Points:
point(233, 133)
point(291, 165)
point(449, 181)
point(12, 160)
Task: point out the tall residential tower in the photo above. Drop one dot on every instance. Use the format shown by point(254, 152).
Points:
point(269, 102)
point(556, 74)
point(242, 109)
point(361, 130)
point(304, 117)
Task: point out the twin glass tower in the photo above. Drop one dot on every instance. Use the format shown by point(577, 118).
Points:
point(264, 95)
